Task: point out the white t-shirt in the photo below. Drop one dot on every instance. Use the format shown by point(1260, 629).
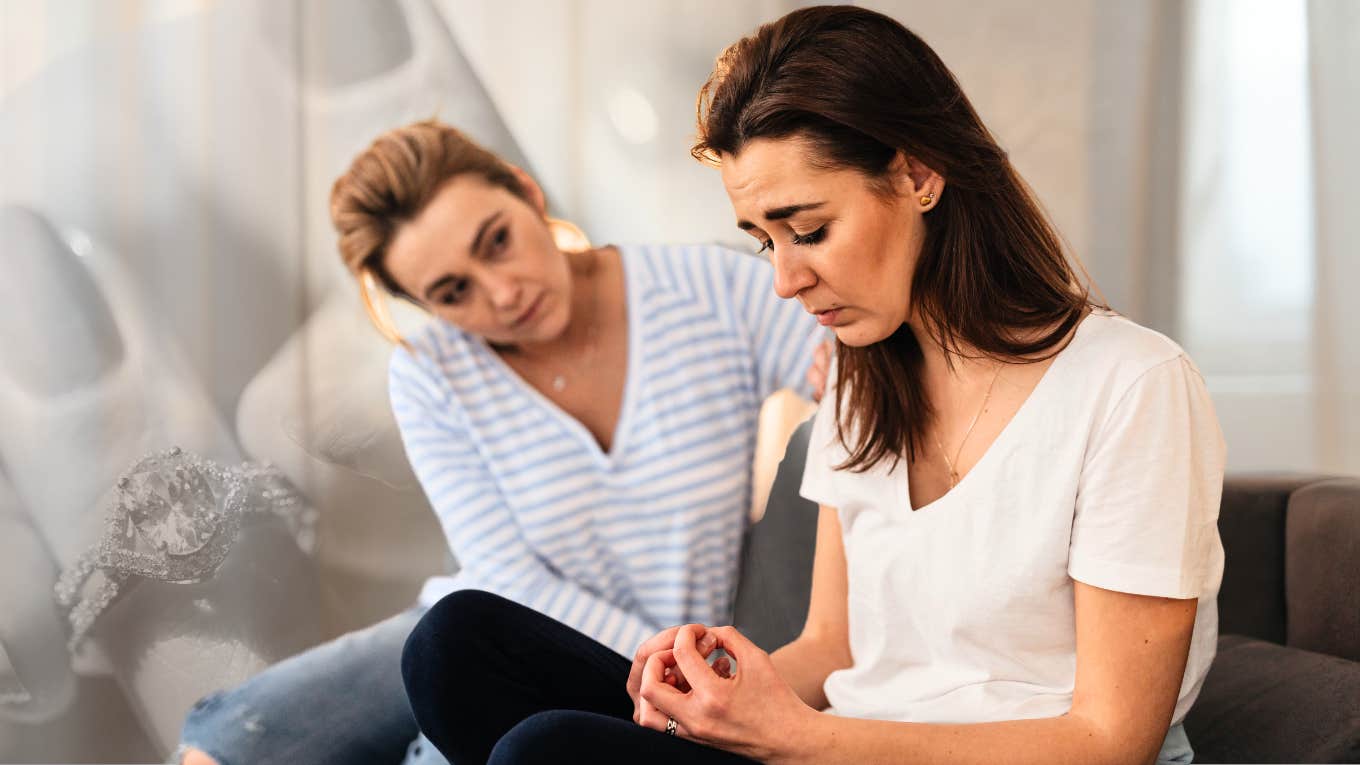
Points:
point(962, 611)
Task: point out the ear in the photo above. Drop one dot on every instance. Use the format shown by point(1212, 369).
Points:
point(922, 182)
point(532, 191)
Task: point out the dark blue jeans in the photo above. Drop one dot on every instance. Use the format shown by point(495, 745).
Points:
point(492, 681)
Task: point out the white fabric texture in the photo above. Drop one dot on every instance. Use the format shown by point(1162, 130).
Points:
point(962, 611)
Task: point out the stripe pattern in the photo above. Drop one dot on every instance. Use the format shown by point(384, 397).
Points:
point(623, 544)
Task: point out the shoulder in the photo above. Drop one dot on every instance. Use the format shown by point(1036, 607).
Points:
point(723, 280)
point(687, 264)
point(1119, 351)
point(1130, 373)
point(433, 355)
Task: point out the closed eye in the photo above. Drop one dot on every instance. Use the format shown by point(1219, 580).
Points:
point(812, 237)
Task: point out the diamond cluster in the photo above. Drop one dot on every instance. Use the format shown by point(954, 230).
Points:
point(173, 517)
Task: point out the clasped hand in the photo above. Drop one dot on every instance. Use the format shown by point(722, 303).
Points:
point(749, 712)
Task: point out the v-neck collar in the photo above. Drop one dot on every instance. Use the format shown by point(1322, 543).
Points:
point(1040, 388)
point(617, 442)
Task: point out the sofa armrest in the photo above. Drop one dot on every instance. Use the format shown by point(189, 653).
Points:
point(1322, 568)
point(1252, 524)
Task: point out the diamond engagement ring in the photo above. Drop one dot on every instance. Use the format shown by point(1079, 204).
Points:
point(173, 517)
point(670, 726)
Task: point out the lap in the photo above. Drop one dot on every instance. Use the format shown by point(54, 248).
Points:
point(488, 677)
point(471, 644)
point(560, 736)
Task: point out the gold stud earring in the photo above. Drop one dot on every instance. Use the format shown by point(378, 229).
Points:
point(926, 200)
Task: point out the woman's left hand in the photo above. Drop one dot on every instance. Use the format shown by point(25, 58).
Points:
point(752, 712)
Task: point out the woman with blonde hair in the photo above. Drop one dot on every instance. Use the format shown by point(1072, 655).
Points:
point(583, 423)
point(1017, 554)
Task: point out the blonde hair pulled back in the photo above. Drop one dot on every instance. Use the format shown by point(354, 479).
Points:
point(388, 184)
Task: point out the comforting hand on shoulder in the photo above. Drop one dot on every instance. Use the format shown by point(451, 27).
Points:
point(749, 712)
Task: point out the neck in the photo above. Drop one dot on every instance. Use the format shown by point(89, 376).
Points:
point(586, 305)
point(962, 365)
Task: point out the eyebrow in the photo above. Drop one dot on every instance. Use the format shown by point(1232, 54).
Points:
point(440, 282)
point(481, 230)
point(476, 245)
point(780, 213)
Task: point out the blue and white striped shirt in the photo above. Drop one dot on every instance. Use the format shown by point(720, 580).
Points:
point(617, 545)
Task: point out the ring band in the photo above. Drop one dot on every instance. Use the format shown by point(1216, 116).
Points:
point(670, 726)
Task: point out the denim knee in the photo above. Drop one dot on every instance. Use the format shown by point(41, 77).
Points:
point(219, 728)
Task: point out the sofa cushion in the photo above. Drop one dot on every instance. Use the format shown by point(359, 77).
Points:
point(776, 562)
point(319, 411)
point(1322, 569)
point(1264, 702)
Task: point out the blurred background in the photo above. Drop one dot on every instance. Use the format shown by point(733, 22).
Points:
point(170, 276)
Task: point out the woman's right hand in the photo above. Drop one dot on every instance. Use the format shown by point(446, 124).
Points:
point(665, 641)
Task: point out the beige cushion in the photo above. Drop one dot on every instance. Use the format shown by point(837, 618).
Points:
point(319, 410)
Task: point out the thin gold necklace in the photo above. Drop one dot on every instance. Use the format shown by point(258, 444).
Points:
point(954, 474)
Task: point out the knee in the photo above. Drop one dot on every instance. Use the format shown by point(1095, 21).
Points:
point(546, 737)
point(205, 725)
point(444, 643)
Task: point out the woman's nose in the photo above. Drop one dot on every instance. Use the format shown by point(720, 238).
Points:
point(505, 293)
point(791, 276)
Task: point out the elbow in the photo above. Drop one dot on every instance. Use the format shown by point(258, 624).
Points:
point(831, 646)
point(1116, 742)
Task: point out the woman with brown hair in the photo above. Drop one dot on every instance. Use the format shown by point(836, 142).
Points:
point(581, 419)
point(1017, 552)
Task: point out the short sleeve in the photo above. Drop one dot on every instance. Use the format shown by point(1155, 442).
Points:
point(1147, 501)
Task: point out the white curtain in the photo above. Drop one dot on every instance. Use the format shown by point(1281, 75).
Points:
point(1334, 69)
point(1266, 240)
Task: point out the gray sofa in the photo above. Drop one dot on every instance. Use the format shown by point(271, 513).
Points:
point(1285, 686)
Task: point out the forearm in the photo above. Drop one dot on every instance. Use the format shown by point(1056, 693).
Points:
point(805, 664)
point(826, 739)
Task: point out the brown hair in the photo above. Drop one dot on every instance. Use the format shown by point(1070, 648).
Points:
point(388, 184)
point(859, 87)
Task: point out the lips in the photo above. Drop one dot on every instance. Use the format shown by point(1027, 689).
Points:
point(529, 313)
point(828, 316)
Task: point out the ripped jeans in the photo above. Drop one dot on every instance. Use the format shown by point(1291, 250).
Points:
point(341, 702)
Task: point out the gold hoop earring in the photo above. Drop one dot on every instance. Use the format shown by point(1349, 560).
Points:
point(927, 199)
point(568, 236)
point(371, 293)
